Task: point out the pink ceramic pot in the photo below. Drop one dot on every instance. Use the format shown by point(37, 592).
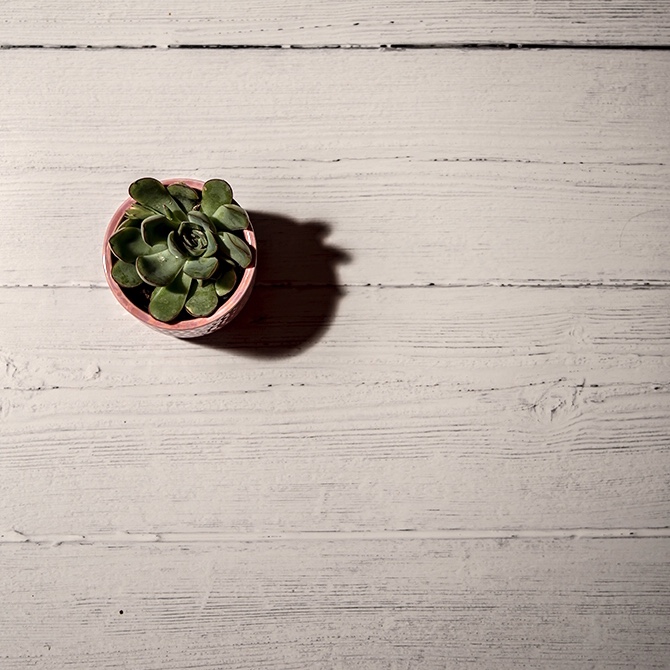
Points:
point(187, 327)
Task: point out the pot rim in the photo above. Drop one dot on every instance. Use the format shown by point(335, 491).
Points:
point(185, 325)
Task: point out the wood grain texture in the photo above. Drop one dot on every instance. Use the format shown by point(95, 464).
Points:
point(348, 22)
point(485, 165)
point(311, 604)
point(439, 436)
point(426, 408)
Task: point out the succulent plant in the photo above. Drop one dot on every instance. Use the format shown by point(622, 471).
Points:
point(185, 244)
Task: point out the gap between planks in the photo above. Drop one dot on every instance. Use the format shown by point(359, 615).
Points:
point(459, 46)
point(531, 283)
point(133, 538)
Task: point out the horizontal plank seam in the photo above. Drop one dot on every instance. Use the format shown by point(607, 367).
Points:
point(460, 46)
point(645, 284)
point(469, 159)
point(409, 159)
point(130, 538)
point(505, 46)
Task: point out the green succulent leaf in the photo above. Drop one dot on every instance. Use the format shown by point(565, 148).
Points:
point(203, 300)
point(197, 217)
point(175, 247)
point(167, 301)
point(181, 190)
point(201, 268)
point(159, 268)
point(202, 221)
point(152, 194)
point(225, 283)
point(129, 223)
point(137, 211)
point(127, 244)
point(237, 249)
point(125, 274)
point(184, 195)
point(212, 244)
point(215, 193)
point(175, 217)
point(231, 217)
point(193, 238)
point(155, 229)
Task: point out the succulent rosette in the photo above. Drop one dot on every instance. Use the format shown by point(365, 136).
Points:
point(184, 243)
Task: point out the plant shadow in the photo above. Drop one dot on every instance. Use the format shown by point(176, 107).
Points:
point(296, 292)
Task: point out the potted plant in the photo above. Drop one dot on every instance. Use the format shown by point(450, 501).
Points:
point(180, 255)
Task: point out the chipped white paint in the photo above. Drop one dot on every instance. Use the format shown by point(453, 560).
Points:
point(439, 435)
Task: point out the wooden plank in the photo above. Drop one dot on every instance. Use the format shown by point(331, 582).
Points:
point(415, 408)
point(313, 604)
point(514, 167)
point(455, 223)
point(349, 22)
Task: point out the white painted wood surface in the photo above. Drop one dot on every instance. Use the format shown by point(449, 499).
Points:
point(438, 436)
point(461, 408)
point(328, 23)
point(313, 603)
point(490, 168)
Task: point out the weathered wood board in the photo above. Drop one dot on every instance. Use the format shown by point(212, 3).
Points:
point(425, 166)
point(322, 604)
point(322, 23)
point(460, 408)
